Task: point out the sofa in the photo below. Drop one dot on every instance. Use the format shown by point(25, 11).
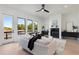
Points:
point(44, 46)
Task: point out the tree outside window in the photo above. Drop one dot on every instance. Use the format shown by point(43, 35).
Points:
point(35, 26)
point(29, 25)
point(21, 26)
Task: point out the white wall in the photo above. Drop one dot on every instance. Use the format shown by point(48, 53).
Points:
point(15, 14)
point(1, 28)
point(72, 18)
point(41, 21)
point(48, 21)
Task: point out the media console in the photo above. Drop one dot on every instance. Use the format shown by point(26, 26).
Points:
point(70, 34)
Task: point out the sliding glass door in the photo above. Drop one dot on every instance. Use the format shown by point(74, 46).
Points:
point(21, 26)
point(35, 26)
point(29, 25)
point(7, 23)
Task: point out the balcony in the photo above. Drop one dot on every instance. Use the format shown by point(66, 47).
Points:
point(8, 33)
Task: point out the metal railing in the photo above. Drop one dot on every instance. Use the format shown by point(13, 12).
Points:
point(8, 33)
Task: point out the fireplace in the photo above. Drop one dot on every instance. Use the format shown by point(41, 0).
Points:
point(54, 32)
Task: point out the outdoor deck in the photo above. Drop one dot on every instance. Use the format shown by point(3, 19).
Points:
point(8, 33)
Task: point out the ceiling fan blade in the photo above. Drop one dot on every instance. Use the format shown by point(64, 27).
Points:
point(39, 10)
point(46, 10)
point(43, 6)
point(43, 9)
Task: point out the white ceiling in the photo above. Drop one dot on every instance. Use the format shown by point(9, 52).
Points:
point(53, 8)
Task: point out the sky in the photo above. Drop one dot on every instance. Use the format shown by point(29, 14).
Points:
point(7, 21)
point(29, 21)
point(21, 21)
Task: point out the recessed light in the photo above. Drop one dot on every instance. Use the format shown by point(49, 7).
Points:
point(65, 6)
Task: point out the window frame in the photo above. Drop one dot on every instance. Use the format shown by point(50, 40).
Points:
point(27, 25)
point(34, 26)
point(24, 24)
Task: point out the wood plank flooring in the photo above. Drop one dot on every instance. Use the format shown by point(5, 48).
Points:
point(72, 48)
point(12, 49)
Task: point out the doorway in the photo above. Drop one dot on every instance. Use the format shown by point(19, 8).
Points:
point(7, 25)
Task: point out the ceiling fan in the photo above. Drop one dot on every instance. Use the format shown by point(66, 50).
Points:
point(43, 9)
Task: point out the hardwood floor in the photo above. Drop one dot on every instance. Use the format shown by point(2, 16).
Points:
point(72, 48)
point(12, 49)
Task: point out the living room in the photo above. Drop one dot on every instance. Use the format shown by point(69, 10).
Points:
point(60, 20)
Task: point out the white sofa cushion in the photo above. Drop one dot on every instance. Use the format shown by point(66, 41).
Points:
point(44, 40)
point(28, 36)
point(60, 45)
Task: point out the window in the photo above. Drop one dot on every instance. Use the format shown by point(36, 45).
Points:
point(29, 25)
point(7, 22)
point(21, 26)
point(35, 26)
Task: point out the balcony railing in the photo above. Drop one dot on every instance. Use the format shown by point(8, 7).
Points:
point(21, 32)
point(8, 33)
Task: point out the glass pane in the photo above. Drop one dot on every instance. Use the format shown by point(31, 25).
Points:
point(35, 26)
point(7, 27)
point(21, 26)
point(29, 25)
